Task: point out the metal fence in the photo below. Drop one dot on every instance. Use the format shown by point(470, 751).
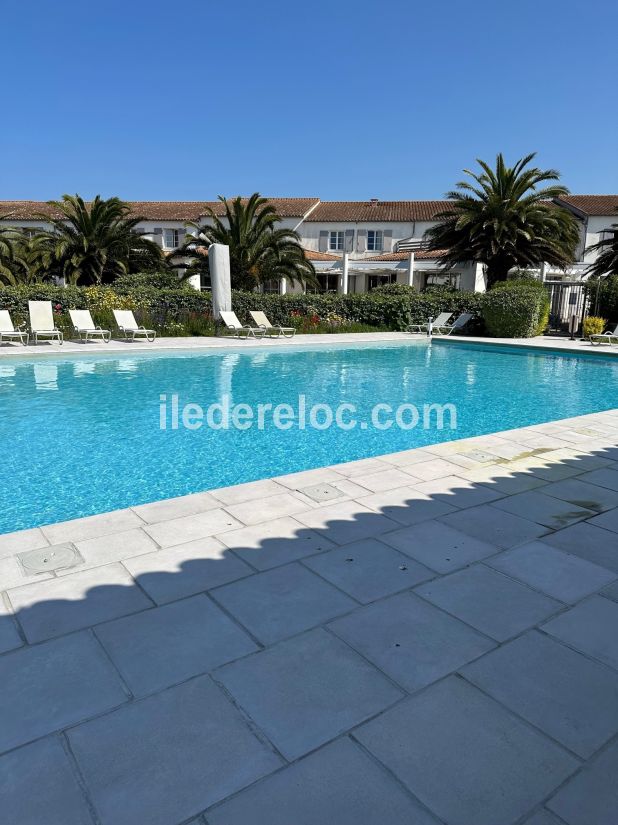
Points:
point(566, 298)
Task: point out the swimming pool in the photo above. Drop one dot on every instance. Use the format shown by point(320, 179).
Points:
point(81, 434)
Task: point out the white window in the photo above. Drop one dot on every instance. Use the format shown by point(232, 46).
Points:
point(375, 240)
point(170, 239)
point(335, 241)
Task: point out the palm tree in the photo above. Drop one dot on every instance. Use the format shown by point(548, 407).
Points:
point(505, 218)
point(260, 251)
point(8, 241)
point(607, 261)
point(94, 243)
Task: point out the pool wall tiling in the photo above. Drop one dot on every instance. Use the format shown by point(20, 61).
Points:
point(81, 434)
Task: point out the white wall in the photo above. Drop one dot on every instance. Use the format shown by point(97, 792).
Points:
point(594, 228)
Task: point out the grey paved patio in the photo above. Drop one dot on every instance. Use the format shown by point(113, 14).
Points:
point(420, 638)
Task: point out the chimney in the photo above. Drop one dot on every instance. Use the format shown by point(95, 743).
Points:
point(374, 201)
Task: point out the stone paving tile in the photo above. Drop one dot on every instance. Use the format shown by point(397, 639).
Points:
point(568, 696)
point(591, 797)
point(189, 528)
point(186, 569)
point(176, 507)
point(556, 573)
point(546, 510)
point(543, 817)
point(581, 493)
point(12, 574)
point(37, 786)
point(494, 526)
point(305, 478)
point(58, 606)
point(161, 647)
point(407, 458)
point(385, 480)
point(608, 520)
point(47, 687)
point(407, 505)
point(165, 758)
point(591, 543)
point(363, 466)
point(369, 569)
point(22, 540)
point(605, 477)
point(465, 757)
point(91, 527)
point(9, 635)
point(282, 602)
point(438, 546)
point(107, 549)
point(590, 627)
point(458, 492)
point(435, 468)
point(346, 522)
point(277, 542)
point(260, 510)
point(308, 690)
point(337, 785)
point(239, 493)
point(611, 592)
point(502, 479)
point(478, 596)
point(410, 640)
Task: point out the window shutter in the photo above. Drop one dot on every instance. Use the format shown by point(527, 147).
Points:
point(348, 245)
point(387, 240)
point(361, 240)
point(158, 231)
point(323, 240)
point(181, 236)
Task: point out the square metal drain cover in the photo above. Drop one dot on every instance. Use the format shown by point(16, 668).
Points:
point(321, 492)
point(48, 559)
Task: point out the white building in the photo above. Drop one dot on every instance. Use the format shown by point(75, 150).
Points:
point(354, 245)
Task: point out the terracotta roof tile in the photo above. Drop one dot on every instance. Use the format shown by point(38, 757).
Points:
point(593, 204)
point(368, 211)
point(320, 256)
point(160, 210)
point(419, 255)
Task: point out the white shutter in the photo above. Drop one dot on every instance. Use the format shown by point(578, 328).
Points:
point(348, 245)
point(323, 244)
point(387, 243)
point(361, 240)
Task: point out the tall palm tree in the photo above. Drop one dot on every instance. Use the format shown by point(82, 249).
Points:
point(607, 261)
point(504, 218)
point(260, 251)
point(94, 242)
point(8, 242)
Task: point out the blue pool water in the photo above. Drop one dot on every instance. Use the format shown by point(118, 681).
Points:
point(81, 435)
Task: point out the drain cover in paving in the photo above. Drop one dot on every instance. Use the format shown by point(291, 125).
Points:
point(48, 559)
point(321, 492)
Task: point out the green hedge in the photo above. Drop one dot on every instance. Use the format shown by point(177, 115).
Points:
point(516, 309)
point(513, 309)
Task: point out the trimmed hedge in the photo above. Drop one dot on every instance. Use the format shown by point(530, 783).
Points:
point(516, 309)
point(513, 309)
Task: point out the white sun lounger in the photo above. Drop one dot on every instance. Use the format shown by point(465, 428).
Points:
point(42, 321)
point(234, 327)
point(459, 323)
point(85, 327)
point(271, 331)
point(8, 331)
point(128, 326)
point(608, 335)
point(441, 321)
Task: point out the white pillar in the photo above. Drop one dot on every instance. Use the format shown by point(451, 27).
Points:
point(544, 271)
point(343, 281)
point(283, 286)
point(219, 265)
point(411, 269)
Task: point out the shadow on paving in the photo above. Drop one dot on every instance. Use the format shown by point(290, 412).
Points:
point(239, 674)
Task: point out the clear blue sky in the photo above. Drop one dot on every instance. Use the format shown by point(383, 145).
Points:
point(340, 99)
